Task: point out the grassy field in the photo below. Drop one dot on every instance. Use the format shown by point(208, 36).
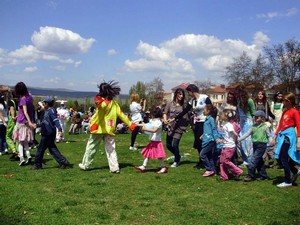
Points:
point(182, 196)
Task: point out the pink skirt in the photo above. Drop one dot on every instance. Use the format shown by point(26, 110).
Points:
point(154, 150)
point(22, 132)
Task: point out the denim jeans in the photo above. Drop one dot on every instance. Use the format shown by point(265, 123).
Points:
point(173, 146)
point(257, 161)
point(206, 155)
point(48, 142)
point(287, 163)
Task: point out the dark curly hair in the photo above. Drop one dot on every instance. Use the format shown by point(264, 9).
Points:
point(109, 89)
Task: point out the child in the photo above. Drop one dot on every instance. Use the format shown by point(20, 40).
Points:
point(155, 149)
point(287, 143)
point(209, 138)
point(229, 146)
point(23, 131)
point(48, 135)
point(103, 126)
point(261, 136)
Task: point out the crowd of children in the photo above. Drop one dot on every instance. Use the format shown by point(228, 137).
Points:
point(222, 128)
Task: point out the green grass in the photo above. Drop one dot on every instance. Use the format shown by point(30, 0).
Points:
point(183, 196)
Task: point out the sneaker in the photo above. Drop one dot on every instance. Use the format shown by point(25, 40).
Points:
point(22, 162)
point(133, 148)
point(294, 178)
point(83, 167)
point(140, 168)
point(65, 166)
point(198, 166)
point(208, 173)
point(175, 164)
point(249, 179)
point(115, 172)
point(28, 161)
point(284, 185)
point(162, 170)
point(262, 178)
point(13, 156)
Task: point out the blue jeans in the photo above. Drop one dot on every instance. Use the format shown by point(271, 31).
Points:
point(48, 142)
point(287, 163)
point(206, 155)
point(257, 162)
point(173, 146)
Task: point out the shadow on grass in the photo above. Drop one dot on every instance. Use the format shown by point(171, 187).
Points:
point(11, 220)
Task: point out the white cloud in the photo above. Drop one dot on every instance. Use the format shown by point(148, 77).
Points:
point(60, 41)
point(50, 44)
point(184, 55)
point(30, 69)
point(260, 39)
point(111, 52)
point(271, 15)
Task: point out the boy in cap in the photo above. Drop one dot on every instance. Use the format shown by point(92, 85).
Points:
point(48, 133)
point(261, 136)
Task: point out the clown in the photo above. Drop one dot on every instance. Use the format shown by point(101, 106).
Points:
point(103, 126)
point(62, 115)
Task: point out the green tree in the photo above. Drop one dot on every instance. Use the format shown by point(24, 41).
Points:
point(139, 88)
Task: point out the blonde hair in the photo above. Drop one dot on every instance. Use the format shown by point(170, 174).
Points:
point(134, 97)
point(291, 98)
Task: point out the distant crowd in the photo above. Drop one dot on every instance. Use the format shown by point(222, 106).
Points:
point(244, 132)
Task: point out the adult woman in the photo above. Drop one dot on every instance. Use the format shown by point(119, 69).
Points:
point(231, 103)
point(246, 109)
point(287, 141)
point(197, 103)
point(277, 108)
point(261, 103)
point(136, 117)
point(23, 132)
point(175, 129)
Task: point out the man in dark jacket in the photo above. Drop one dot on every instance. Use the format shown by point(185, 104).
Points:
point(48, 135)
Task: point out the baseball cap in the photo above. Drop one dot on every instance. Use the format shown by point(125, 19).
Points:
point(260, 113)
point(48, 99)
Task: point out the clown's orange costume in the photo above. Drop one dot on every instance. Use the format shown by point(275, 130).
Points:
point(103, 127)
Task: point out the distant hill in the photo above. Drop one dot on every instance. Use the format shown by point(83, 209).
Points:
point(64, 93)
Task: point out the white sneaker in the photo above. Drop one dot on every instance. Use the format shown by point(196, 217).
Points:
point(284, 185)
point(162, 170)
point(133, 148)
point(175, 164)
point(83, 167)
point(22, 162)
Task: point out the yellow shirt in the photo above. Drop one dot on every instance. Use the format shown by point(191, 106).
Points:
point(105, 118)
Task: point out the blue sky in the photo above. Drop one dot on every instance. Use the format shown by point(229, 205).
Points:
point(77, 44)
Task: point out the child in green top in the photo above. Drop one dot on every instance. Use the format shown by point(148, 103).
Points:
point(261, 136)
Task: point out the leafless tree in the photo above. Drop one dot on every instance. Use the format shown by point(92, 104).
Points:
point(285, 61)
